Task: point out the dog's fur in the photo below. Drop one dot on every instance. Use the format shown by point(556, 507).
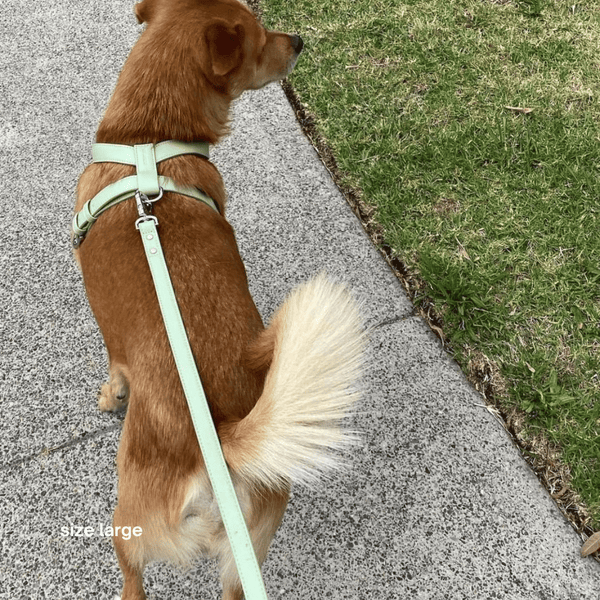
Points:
point(276, 394)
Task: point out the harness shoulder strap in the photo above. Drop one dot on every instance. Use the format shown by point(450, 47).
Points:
point(163, 151)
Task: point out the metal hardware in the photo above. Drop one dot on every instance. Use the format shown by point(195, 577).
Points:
point(77, 239)
point(144, 203)
point(144, 219)
point(144, 206)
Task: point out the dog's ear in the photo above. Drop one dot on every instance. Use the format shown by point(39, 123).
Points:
point(144, 10)
point(225, 49)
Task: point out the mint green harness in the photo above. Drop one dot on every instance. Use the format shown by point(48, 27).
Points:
point(146, 181)
point(144, 184)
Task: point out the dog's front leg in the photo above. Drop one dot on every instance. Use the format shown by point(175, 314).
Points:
point(114, 394)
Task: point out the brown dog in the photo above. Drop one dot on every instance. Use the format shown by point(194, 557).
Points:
point(276, 394)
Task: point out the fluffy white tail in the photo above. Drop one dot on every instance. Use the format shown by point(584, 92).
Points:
point(318, 342)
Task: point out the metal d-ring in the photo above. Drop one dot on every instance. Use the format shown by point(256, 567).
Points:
point(160, 193)
point(144, 203)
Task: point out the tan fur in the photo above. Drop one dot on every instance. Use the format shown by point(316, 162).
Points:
point(276, 394)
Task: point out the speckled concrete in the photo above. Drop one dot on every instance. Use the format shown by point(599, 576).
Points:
point(438, 504)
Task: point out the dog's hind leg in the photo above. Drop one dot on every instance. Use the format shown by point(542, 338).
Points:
point(268, 507)
point(133, 586)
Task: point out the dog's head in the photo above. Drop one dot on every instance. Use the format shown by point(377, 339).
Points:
point(234, 51)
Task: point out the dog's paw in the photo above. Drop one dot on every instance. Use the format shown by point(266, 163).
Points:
point(113, 396)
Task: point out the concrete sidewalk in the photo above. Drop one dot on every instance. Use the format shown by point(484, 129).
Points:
point(439, 504)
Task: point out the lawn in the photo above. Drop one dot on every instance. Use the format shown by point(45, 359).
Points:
point(469, 132)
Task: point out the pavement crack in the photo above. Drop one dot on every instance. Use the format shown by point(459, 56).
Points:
point(390, 321)
point(85, 437)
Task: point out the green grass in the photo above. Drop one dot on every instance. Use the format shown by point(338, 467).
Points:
point(497, 210)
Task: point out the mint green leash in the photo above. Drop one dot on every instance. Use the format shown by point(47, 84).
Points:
point(150, 183)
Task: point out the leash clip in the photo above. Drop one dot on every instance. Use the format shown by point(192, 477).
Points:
point(144, 206)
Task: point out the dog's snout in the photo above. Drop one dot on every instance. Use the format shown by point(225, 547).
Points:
point(297, 43)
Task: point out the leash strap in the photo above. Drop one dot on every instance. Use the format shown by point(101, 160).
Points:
point(235, 524)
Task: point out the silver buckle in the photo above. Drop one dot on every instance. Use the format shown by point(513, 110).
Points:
point(144, 219)
point(77, 239)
